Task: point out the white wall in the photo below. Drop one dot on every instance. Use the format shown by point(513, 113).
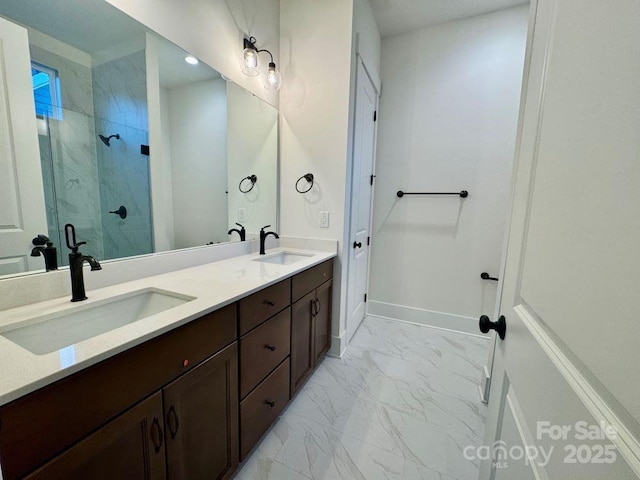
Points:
point(368, 43)
point(448, 118)
point(252, 149)
point(198, 129)
point(315, 101)
point(213, 30)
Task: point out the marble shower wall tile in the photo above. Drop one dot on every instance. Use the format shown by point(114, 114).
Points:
point(124, 180)
point(120, 91)
point(75, 170)
point(68, 156)
point(120, 101)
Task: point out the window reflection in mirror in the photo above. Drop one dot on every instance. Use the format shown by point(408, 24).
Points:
point(122, 119)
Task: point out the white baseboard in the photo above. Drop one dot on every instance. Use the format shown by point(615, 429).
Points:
point(338, 345)
point(445, 321)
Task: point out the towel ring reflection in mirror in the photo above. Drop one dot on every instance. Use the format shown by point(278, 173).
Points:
point(252, 178)
point(309, 178)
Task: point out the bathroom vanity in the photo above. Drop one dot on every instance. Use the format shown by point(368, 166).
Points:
point(183, 393)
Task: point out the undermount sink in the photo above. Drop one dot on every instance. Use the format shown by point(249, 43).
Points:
point(52, 332)
point(284, 258)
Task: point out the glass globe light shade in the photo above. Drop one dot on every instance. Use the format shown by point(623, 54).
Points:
point(273, 79)
point(250, 62)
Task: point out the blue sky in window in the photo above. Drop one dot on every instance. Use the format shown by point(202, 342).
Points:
point(42, 83)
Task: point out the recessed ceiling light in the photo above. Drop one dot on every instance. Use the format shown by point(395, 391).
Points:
point(191, 60)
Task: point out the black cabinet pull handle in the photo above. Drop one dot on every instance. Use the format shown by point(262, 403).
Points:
point(270, 303)
point(318, 306)
point(172, 422)
point(312, 304)
point(270, 347)
point(357, 244)
point(156, 434)
point(500, 326)
point(270, 403)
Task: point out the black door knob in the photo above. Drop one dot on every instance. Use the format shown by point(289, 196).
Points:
point(357, 245)
point(500, 326)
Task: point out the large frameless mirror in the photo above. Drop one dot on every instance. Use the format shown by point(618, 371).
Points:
point(139, 145)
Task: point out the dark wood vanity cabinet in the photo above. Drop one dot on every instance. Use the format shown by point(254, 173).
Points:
point(201, 419)
point(131, 446)
point(188, 404)
point(310, 333)
point(42, 428)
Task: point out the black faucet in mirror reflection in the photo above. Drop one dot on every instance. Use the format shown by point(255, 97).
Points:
point(263, 238)
point(251, 178)
point(76, 261)
point(309, 178)
point(107, 140)
point(242, 232)
point(44, 246)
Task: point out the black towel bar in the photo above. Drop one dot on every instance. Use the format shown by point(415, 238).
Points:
point(462, 193)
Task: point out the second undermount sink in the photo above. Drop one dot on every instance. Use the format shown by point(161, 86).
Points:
point(49, 333)
point(284, 258)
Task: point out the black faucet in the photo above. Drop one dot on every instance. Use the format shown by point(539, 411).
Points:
point(76, 261)
point(242, 232)
point(263, 237)
point(49, 252)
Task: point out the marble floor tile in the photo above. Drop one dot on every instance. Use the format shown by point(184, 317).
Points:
point(323, 453)
point(402, 403)
point(417, 398)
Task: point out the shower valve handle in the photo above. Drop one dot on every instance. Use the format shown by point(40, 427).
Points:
point(121, 212)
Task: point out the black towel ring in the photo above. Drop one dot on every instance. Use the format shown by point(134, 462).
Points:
point(252, 178)
point(309, 178)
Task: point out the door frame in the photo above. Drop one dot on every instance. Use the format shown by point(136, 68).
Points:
point(349, 232)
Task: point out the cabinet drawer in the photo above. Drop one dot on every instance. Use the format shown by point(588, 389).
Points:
point(263, 349)
point(260, 409)
point(75, 406)
point(306, 281)
point(256, 308)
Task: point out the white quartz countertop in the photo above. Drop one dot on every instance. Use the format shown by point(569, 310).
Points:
point(213, 286)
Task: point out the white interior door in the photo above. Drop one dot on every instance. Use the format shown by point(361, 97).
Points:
point(22, 209)
point(364, 142)
point(565, 402)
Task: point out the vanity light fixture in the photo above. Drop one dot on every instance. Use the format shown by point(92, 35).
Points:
point(191, 60)
point(251, 65)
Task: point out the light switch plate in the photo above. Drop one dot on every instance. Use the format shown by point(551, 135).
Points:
point(324, 219)
point(242, 214)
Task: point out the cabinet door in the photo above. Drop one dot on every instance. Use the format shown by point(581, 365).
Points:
point(322, 321)
point(131, 447)
point(301, 340)
point(201, 418)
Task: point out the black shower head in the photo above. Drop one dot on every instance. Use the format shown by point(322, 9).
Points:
point(107, 140)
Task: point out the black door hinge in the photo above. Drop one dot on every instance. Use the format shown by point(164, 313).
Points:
point(365, 298)
point(371, 179)
point(375, 115)
point(368, 240)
